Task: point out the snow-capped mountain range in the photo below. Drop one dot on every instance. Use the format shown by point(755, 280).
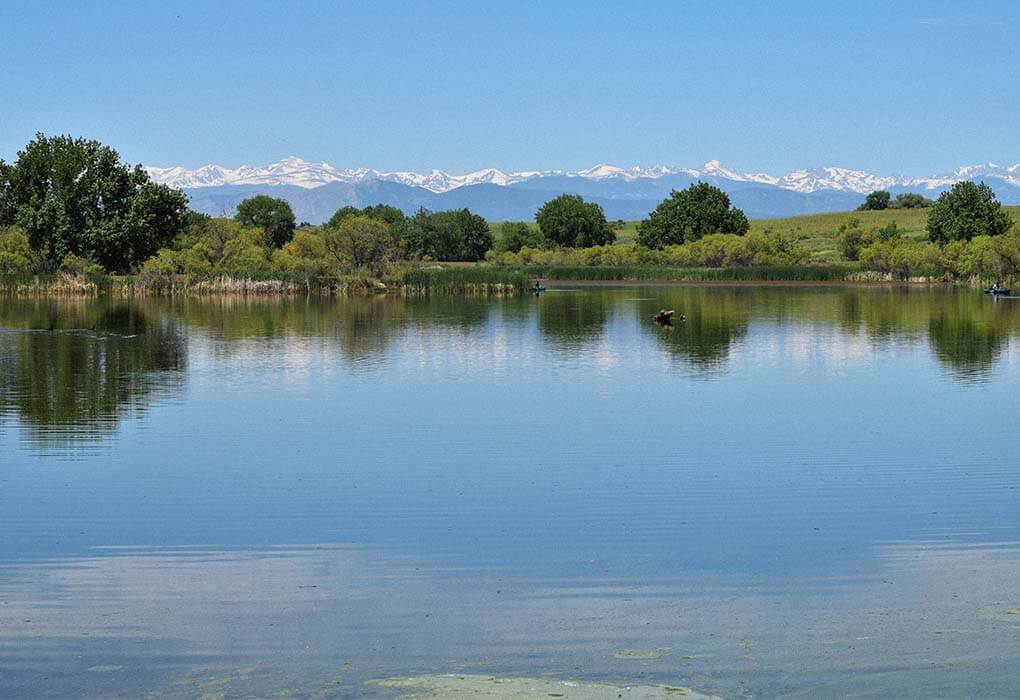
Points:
point(295, 171)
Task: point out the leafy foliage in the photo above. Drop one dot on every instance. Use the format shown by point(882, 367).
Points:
point(359, 241)
point(876, 201)
point(212, 247)
point(688, 215)
point(966, 211)
point(382, 212)
point(714, 250)
point(274, 216)
point(445, 235)
point(910, 200)
point(571, 222)
point(73, 196)
point(514, 235)
point(16, 254)
point(852, 237)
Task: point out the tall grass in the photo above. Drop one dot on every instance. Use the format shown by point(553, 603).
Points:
point(465, 280)
point(58, 283)
point(777, 273)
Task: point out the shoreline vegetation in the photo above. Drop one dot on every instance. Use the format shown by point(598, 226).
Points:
point(479, 280)
point(74, 220)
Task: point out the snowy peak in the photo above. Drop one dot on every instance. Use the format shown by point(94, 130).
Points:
point(835, 179)
point(295, 171)
point(714, 168)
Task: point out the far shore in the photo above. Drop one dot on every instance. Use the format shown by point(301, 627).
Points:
point(475, 280)
point(567, 284)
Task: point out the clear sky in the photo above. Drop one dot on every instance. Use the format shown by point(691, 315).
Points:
point(893, 87)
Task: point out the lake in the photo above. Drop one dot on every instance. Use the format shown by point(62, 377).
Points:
point(799, 491)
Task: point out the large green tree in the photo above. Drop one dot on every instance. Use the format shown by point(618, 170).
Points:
point(272, 215)
point(446, 235)
point(965, 211)
point(690, 214)
point(514, 235)
point(381, 212)
point(358, 241)
point(571, 222)
point(910, 200)
point(876, 201)
point(73, 196)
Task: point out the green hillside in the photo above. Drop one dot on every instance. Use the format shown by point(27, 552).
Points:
point(817, 232)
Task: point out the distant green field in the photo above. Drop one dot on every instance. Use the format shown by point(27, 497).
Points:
point(817, 232)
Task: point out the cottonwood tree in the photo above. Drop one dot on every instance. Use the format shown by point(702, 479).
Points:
point(274, 216)
point(571, 222)
point(876, 201)
point(688, 215)
point(359, 241)
point(73, 197)
point(965, 211)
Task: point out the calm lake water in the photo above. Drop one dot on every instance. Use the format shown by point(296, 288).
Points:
point(804, 491)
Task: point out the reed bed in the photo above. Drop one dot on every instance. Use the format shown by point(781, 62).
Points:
point(56, 284)
point(777, 273)
point(482, 280)
point(180, 285)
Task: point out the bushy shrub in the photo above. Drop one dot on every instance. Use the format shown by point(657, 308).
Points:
point(690, 214)
point(514, 235)
point(966, 211)
point(83, 267)
point(903, 258)
point(17, 255)
point(571, 222)
point(714, 250)
point(444, 235)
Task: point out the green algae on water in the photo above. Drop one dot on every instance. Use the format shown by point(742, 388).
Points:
point(474, 686)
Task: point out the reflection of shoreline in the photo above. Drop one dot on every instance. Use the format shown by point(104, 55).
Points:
point(104, 361)
point(844, 284)
point(71, 372)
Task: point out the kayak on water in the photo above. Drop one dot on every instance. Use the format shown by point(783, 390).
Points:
point(997, 291)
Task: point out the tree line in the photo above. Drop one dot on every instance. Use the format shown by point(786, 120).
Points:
point(70, 203)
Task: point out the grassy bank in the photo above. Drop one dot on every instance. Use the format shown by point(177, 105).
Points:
point(458, 279)
point(637, 273)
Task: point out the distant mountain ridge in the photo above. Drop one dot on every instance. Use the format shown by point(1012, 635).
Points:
point(301, 173)
point(316, 190)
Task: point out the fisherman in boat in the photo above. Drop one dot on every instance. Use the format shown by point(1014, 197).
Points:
point(538, 285)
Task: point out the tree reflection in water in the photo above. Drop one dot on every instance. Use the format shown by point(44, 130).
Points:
point(71, 370)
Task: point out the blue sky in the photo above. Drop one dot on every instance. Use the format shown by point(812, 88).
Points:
point(893, 87)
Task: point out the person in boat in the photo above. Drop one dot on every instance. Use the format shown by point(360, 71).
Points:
point(997, 287)
point(538, 285)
